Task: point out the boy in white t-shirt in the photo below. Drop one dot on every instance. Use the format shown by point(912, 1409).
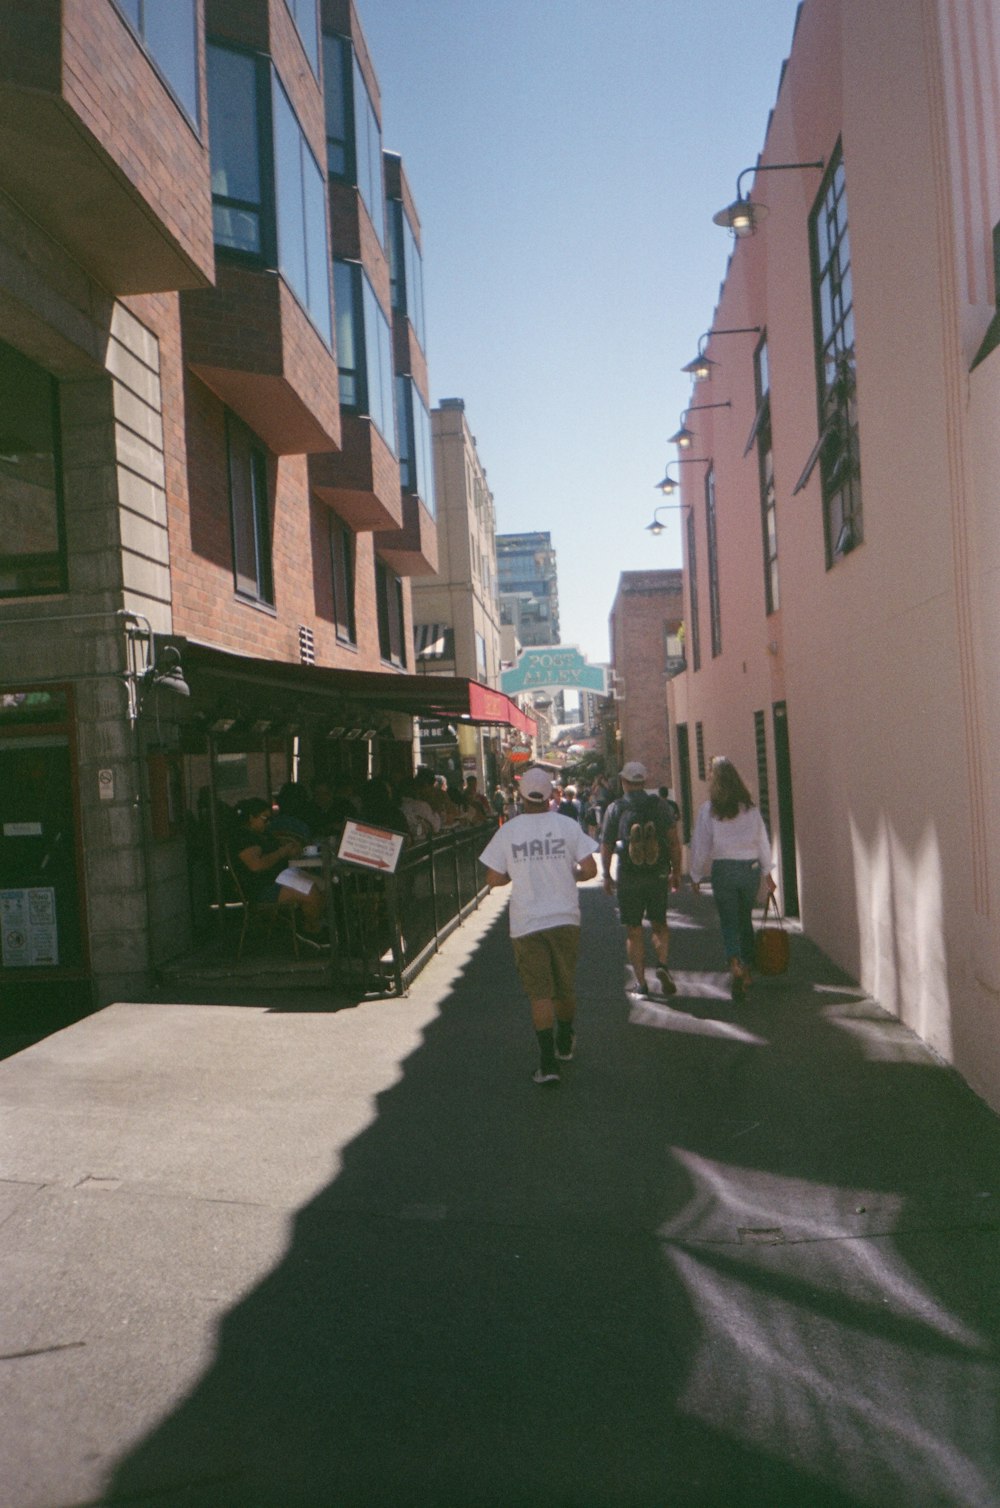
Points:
point(543, 856)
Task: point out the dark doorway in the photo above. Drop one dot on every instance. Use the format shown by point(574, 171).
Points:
point(786, 812)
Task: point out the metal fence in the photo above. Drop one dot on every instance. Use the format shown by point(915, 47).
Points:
point(386, 927)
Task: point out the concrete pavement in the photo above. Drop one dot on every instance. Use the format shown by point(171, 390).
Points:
point(268, 1253)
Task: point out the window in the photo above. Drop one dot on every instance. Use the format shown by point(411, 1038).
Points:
point(714, 602)
point(837, 449)
point(416, 464)
point(692, 567)
point(763, 788)
point(166, 32)
point(391, 621)
point(407, 268)
point(342, 567)
point(249, 513)
point(306, 24)
point(480, 656)
point(765, 471)
point(268, 194)
point(364, 350)
point(32, 540)
point(300, 202)
point(353, 135)
point(699, 744)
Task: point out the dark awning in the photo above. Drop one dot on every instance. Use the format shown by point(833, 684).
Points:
point(243, 686)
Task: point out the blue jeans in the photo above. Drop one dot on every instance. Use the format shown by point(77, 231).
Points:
point(735, 883)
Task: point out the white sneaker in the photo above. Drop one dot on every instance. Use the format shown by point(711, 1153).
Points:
point(546, 1076)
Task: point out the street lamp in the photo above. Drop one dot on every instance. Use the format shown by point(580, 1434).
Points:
point(701, 368)
point(656, 527)
point(684, 436)
point(669, 484)
point(743, 216)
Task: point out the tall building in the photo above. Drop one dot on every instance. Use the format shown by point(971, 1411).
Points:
point(529, 587)
point(842, 540)
point(456, 612)
point(643, 628)
point(215, 457)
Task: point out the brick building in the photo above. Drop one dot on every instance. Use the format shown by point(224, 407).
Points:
point(644, 630)
point(215, 477)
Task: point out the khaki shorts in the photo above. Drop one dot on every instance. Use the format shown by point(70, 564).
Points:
point(546, 962)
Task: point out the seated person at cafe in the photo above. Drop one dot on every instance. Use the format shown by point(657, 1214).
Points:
point(295, 817)
point(380, 807)
point(260, 859)
point(421, 818)
point(335, 802)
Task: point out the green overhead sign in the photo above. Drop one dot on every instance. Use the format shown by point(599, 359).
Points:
point(553, 667)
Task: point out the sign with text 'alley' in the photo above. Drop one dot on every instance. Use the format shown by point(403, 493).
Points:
point(553, 667)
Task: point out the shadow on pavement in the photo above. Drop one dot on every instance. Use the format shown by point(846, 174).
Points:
point(748, 1264)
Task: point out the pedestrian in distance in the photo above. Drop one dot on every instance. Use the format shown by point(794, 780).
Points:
point(543, 856)
point(640, 828)
point(730, 845)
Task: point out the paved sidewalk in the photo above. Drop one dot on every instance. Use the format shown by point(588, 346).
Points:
point(270, 1254)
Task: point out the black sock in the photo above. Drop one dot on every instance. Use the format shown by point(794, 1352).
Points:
point(547, 1049)
point(564, 1034)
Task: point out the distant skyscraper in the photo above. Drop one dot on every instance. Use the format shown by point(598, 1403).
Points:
point(529, 587)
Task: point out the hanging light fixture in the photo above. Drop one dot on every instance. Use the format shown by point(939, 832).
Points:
point(743, 216)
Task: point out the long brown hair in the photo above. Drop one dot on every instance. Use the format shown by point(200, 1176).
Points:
point(726, 791)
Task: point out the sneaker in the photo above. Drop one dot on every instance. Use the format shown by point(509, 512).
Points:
point(565, 1050)
point(546, 1076)
point(640, 989)
point(664, 976)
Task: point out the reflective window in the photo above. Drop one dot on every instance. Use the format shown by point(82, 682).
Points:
point(765, 470)
point(336, 91)
point(368, 154)
point(32, 545)
point(250, 512)
point(391, 621)
point(407, 271)
point(364, 351)
point(692, 577)
point(300, 200)
point(305, 16)
point(234, 127)
point(166, 30)
point(416, 458)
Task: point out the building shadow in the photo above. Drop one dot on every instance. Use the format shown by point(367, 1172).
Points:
point(707, 1269)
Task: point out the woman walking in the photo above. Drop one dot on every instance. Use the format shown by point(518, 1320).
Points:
point(730, 846)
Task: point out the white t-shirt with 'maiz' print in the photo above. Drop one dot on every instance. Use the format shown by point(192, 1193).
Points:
point(539, 852)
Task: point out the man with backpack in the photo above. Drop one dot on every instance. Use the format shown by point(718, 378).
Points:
point(641, 828)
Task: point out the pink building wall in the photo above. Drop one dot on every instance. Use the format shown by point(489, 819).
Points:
point(886, 660)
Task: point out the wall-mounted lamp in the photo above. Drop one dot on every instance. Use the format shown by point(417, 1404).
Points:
point(701, 368)
point(743, 216)
point(656, 527)
point(669, 484)
point(684, 436)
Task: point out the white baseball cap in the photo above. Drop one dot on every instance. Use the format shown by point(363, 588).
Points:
point(634, 771)
point(536, 785)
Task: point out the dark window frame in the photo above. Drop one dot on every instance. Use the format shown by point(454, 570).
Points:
point(695, 630)
point(343, 560)
point(712, 538)
point(837, 450)
point(356, 379)
point(347, 164)
point(266, 81)
point(391, 616)
point(257, 492)
point(763, 437)
point(54, 562)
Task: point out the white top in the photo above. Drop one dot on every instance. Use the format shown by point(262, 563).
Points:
point(741, 837)
point(539, 852)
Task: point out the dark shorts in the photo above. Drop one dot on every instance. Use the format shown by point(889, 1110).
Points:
point(546, 962)
point(640, 896)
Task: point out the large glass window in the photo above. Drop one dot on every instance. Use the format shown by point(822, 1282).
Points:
point(166, 30)
point(391, 622)
point(306, 19)
point(236, 151)
point(407, 271)
point(837, 450)
point(32, 544)
point(300, 199)
point(342, 567)
point(364, 351)
point(353, 136)
point(416, 461)
point(250, 513)
point(268, 193)
point(712, 533)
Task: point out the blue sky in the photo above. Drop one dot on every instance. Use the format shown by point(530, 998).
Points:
point(566, 157)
